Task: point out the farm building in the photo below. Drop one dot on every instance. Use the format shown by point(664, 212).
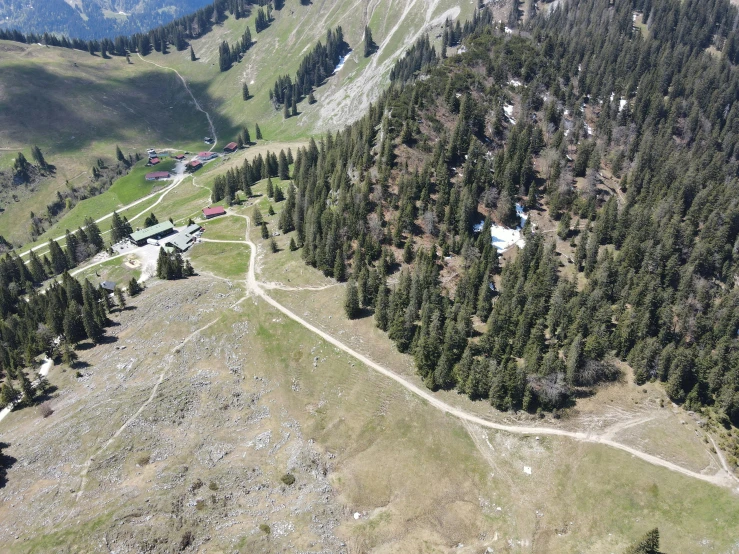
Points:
point(180, 241)
point(214, 211)
point(155, 232)
point(108, 285)
point(158, 176)
point(231, 147)
point(194, 165)
point(179, 157)
point(205, 156)
point(153, 161)
point(184, 239)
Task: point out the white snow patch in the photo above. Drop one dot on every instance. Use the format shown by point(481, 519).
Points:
point(357, 515)
point(515, 83)
point(527, 470)
point(589, 129)
point(508, 110)
point(342, 60)
point(622, 104)
point(508, 31)
point(503, 237)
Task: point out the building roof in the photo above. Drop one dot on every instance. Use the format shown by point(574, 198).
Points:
point(195, 163)
point(214, 210)
point(152, 231)
point(108, 285)
point(192, 229)
point(154, 161)
point(206, 155)
point(158, 175)
point(231, 146)
point(181, 241)
point(179, 157)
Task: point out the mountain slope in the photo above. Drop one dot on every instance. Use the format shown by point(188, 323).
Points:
point(92, 19)
point(98, 103)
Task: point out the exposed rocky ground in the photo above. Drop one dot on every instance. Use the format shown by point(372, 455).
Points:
point(201, 467)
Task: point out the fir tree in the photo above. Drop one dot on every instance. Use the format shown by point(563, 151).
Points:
point(245, 91)
point(351, 302)
point(369, 43)
point(192, 54)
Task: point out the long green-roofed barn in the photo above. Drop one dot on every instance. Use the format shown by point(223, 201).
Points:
point(154, 232)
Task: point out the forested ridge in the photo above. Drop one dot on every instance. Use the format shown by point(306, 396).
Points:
point(176, 33)
point(392, 203)
point(89, 21)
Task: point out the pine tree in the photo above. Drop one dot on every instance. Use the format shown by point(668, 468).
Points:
point(293, 246)
point(26, 388)
point(58, 258)
point(258, 132)
point(351, 302)
point(151, 220)
point(247, 136)
point(119, 154)
point(311, 98)
point(120, 299)
point(382, 307)
point(648, 544)
point(38, 157)
point(273, 245)
point(270, 188)
point(265, 230)
point(93, 330)
point(245, 91)
point(257, 216)
point(8, 394)
point(369, 43)
point(192, 54)
point(133, 287)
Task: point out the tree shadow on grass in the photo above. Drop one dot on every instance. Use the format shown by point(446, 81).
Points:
point(152, 105)
point(6, 462)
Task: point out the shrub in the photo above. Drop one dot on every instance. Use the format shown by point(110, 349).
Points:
point(264, 528)
point(45, 409)
point(288, 479)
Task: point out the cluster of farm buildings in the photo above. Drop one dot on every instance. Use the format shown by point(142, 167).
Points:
point(164, 234)
point(192, 166)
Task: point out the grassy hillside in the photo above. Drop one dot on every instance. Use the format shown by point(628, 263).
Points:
point(77, 107)
point(279, 49)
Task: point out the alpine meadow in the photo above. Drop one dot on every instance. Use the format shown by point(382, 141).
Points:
point(380, 276)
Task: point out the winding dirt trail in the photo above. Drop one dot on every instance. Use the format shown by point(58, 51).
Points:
point(195, 100)
point(721, 478)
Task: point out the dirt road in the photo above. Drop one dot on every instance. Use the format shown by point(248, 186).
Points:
point(721, 478)
point(195, 100)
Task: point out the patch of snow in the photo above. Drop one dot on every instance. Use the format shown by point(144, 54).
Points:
point(357, 515)
point(527, 470)
point(622, 104)
point(515, 83)
point(508, 31)
point(503, 237)
point(508, 110)
point(342, 60)
point(589, 129)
